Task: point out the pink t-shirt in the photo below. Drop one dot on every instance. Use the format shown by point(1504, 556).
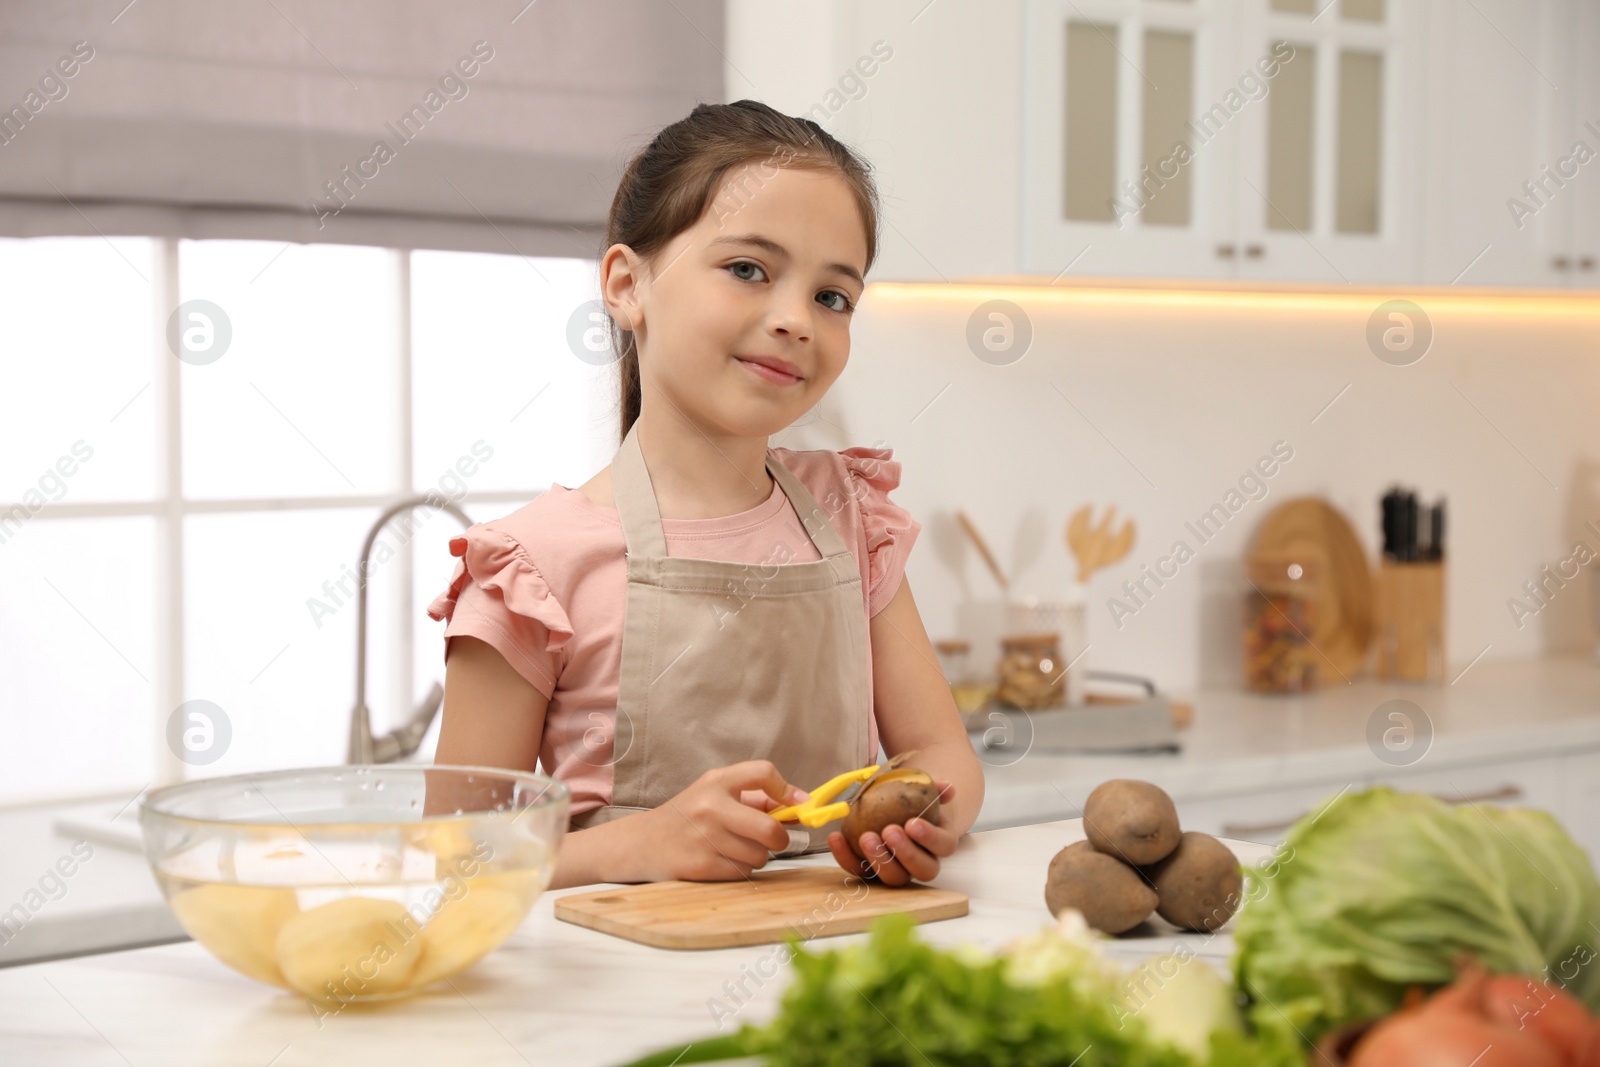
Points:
point(548, 589)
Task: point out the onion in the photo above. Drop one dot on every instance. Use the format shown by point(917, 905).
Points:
point(1451, 1029)
point(1540, 1008)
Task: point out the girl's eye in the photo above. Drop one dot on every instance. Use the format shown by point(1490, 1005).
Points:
point(844, 301)
point(748, 271)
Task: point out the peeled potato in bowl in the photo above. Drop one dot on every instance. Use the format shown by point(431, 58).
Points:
point(355, 944)
point(239, 924)
point(355, 883)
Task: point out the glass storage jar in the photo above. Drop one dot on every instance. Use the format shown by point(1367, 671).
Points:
point(1032, 672)
point(1279, 622)
point(969, 692)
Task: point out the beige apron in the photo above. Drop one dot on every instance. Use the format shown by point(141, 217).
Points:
point(724, 662)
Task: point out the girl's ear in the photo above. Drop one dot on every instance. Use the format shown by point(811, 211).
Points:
point(619, 282)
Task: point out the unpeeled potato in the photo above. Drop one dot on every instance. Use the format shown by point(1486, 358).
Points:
point(1132, 820)
point(893, 799)
point(1111, 895)
point(1199, 883)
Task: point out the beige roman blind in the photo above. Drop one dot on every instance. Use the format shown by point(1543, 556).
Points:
point(465, 124)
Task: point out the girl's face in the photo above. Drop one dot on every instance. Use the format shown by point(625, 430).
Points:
point(771, 273)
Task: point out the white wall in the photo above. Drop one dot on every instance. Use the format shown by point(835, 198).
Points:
point(806, 59)
point(1190, 390)
point(1499, 417)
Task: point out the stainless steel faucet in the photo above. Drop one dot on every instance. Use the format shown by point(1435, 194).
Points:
point(404, 740)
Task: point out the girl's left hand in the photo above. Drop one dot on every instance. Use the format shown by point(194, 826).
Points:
point(903, 853)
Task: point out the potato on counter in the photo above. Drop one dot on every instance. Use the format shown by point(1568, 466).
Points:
point(1113, 896)
point(1199, 883)
point(1132, 820)
point(1138, 860)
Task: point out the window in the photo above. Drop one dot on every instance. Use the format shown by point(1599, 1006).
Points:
point(177, 529)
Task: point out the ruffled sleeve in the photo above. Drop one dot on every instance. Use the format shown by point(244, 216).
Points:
point(890, 530)
point(498, 595)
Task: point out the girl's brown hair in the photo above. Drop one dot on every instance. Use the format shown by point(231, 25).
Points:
point(669, 184)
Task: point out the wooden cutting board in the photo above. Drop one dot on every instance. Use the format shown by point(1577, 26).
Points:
point(812, 901)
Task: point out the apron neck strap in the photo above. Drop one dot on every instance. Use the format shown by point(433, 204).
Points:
point(635, 498)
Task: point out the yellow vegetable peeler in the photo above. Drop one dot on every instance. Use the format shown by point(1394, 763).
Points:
point(822, 807)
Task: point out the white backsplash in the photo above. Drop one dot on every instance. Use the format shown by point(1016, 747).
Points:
point(1160, 405)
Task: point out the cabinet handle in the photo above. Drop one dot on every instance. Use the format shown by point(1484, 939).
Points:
point(1561, 263)
point(1225, 251)
point(1505, 792)
point(1248, 831)
point(1586, 263)
point(1254, 251)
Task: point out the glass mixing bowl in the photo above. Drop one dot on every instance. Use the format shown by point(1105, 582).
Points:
point(355, 883)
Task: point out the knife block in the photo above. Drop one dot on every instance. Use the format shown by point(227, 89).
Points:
point(1409, 629)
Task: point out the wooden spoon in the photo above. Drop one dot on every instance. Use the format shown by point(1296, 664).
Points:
point(983, 548)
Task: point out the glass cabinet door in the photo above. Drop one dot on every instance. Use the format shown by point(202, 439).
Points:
point(1322, 184)
point(1119, 178)
point(1266, 139)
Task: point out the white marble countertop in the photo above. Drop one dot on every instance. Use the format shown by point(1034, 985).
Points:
point(554, 993)
point(1242, 742)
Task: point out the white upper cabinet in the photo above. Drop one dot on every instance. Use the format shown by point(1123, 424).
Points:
point(1500, 119)
point(1118, 176)
point(1319, 141)
point(1583, 254)
point(1326, 160)
point(1208, 139)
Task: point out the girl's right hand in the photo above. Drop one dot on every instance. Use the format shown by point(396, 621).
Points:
point(708, 833)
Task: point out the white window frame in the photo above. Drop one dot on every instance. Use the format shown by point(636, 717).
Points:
point(170, 509)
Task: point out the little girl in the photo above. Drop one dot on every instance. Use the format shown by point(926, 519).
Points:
point(709, 625)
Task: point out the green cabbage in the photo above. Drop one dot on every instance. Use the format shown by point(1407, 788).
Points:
point(1382, 890)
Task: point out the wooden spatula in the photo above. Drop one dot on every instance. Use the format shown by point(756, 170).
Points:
point(1096, 547)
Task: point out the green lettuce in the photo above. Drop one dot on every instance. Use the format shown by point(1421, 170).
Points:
point(895, 1000)
point(1382, 890)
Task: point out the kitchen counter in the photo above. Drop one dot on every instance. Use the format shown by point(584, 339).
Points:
point(554, 993)
point(1244, 743)
point(1248, 761)
point(108, 900)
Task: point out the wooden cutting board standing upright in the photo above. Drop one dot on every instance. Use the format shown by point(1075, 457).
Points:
point(811, 901)
point(1343, 629)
